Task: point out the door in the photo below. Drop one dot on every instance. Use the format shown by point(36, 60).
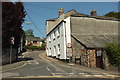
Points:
point(99, 61)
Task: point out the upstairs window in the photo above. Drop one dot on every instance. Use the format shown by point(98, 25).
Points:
point(58, 32)
point(50, 38)
point(54, 35)
point(58, 49)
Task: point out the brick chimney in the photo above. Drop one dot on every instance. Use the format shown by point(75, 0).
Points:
point(94, 13)
point(61, 12)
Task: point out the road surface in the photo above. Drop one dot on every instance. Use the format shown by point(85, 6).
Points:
point(38, 67)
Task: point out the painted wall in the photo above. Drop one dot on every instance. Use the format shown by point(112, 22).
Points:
point(57, 40)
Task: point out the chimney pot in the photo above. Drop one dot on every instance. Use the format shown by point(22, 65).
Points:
point(94, 13)
point(61, 11)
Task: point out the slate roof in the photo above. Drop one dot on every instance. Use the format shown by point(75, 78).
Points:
point(97, 17)
point(55, 21)
point(33, 38)
point(95, 41)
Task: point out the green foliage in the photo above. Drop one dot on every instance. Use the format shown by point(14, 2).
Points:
point(113, 14)
point(113, 52)
point(29, 33)
point(24, 37)
point(36, 47)
point(12, 19)
point(33, 47)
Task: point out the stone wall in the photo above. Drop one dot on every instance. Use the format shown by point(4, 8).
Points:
point(87, 57)
point(79, 53)
point(6, 55)
point(91, 57)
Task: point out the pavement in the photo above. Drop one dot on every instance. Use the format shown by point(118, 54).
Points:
point(21, 62)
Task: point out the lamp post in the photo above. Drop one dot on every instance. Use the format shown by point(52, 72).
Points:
point(11, 44)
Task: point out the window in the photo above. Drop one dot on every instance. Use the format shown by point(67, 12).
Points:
point(54, 50)
point(54, 35)
point(34, 42)
point(58, 32)
point(58, 49)
point(50, 38)
point(50, 51)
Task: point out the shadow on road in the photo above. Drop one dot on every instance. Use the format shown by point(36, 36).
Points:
point(25, 59)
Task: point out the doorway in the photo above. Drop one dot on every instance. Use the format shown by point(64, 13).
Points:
point(99, 61)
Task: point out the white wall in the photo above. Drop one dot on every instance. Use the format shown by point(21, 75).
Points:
point(62, 40)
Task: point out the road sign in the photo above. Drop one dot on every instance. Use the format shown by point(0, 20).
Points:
point(69, 52)
point(69, 45)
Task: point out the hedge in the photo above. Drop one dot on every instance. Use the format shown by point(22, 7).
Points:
point(113, 53)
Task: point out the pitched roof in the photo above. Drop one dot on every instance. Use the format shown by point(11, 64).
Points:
point(55, 21)
point(33, 38)
point(95, 41)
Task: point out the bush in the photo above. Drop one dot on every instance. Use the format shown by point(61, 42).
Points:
point(36, 47)
point(33, 47)
point(113, 53)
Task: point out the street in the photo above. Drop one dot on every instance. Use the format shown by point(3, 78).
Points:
point(36, 66)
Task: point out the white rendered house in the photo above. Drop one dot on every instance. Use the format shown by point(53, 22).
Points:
point(58, 39)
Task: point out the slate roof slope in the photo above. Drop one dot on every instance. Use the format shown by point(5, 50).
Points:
point(95, 41)
point(33, 38)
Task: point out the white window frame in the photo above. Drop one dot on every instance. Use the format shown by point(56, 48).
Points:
point(54, 35)
point(58, 49)
point(58, 32)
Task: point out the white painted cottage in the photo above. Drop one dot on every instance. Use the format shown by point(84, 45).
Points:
point(58, 38)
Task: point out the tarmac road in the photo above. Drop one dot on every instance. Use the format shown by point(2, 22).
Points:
point(36, 67)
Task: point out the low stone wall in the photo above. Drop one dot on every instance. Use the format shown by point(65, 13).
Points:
point(6, 55)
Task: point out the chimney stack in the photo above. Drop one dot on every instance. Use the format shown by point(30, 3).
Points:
point(61, 11)
point(94, 13)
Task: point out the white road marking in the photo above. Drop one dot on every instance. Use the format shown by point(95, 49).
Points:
point(70, 73)
point(82, 73)
point(33, 62)
point(57, 74)
point(48, 69)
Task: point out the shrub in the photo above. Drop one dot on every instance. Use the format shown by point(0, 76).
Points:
point(36, 47)
point(113, 53)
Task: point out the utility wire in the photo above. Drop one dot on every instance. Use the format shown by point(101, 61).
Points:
point(43, 7)
point(33, 22)
point(38, 15)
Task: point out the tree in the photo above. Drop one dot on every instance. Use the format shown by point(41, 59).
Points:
point(12, 18)
point(29, 33)
point(113, 14)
